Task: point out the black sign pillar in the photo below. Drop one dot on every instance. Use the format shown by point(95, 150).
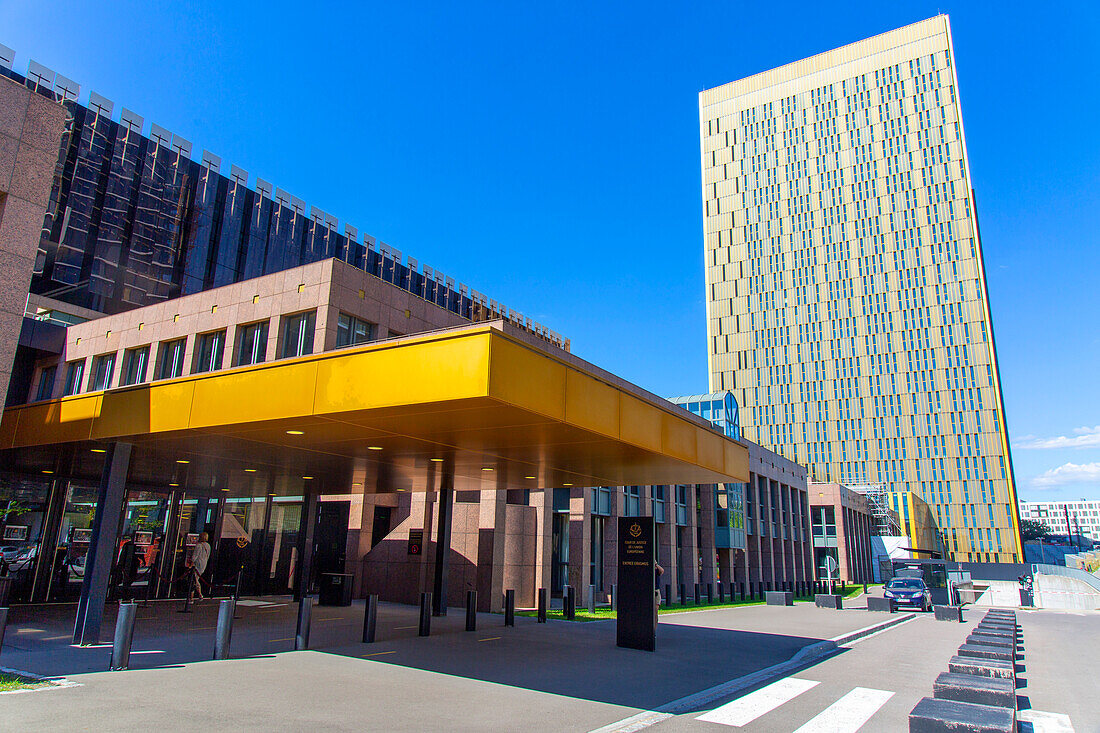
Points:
point(637, 602)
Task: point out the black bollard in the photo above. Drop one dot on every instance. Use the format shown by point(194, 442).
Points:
point(710, 593)
point(370, 618)
point(305, 618)
point(543, 602)
point(3, 625)
point(698, 597)
point(741, 590)
point(224, 632)
point(569, 603)
point(683, 594)
point(425, 615)
point(721, 594)
point(471, 610)
point(124, 636)
point(668, 594)
point(864, 588)
point(509, 608)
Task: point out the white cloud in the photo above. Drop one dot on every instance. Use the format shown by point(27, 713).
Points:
point(1085, 437)
point(1068, 473)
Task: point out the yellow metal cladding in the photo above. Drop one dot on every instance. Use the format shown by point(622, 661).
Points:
point(476, 394)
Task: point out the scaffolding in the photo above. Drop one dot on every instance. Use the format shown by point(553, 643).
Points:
point(884, 517)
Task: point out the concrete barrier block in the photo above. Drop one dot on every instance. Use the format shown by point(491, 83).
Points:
point(983, 667)
point(1005, 631)
point(886, 605)
point(828, 600)
point(984, 651)
point(976, 689)
point(980, 638)
point(779, 598)
point(932, 715)
point(948, 613)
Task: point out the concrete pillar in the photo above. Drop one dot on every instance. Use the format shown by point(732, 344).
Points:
point(580, 538)
point(493, 530)
point(543, 501)
point(707, 532)
point(101, 549)
point(443, 539)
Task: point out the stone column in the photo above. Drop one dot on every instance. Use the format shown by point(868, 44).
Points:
point(490, 549)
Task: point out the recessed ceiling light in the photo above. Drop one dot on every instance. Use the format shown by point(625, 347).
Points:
point(308, 478)
point(400, 489)
point(250, 470)
point(99, 450)
point(271, 495)
point(295, 432)
point(528, 476)
point(436, 460)
point(173, 484)
point(567, 484)
point(46, 470)
point(225, 489)
point(486, 469)
point(357, 484)
point(181, 460)
point(374, 447)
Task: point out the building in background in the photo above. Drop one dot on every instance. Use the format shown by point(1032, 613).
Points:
point(842, 526)
point(1065, 517)
point(847, 306)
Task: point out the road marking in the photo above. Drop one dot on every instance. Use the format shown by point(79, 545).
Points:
point(744, 710)
point(149, 651)
point(55, 638)
point(490, 638)
point(697, 701)
point(849, 713)
point(399, 628)
point(378, 654)
point(333, 618)
point(276, 641)
point(1045, 722)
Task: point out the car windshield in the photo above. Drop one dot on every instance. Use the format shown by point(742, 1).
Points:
point(906, 583)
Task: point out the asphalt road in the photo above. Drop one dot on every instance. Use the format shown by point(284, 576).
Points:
point(555, 676)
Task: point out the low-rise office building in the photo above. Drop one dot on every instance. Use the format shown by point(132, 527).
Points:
point(1065, 517)
point(841, 521)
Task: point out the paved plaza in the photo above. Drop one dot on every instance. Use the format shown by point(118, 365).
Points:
point(554, 676)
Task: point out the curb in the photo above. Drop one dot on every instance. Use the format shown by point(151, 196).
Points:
point(807, 654)
point(52, 683)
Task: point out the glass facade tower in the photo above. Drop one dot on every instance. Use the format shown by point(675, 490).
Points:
point(847, 306)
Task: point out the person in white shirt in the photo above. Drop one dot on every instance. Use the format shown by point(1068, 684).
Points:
point(200, 556)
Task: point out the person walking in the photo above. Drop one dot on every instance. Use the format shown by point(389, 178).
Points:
point(200, 556)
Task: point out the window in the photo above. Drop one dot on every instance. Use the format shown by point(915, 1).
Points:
point(208, 355)
point(633, 506)
point(102, 368)
point(252, 343)
point(133, 365)
point(601, 501)
point(298, 334)
point(351, 330)
point(45, 382)
point(682, 505)
point(74, 376)
point(659, 504)
point(171, 359)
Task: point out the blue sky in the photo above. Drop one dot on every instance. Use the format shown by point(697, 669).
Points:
point(547, 154)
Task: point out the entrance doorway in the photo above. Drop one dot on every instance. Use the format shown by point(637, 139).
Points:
point(330, 538)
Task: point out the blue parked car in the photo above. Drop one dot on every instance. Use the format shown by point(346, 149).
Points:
point(909, 592)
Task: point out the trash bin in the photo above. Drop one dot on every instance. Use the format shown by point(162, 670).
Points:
point(5, 589)
point(335, 589)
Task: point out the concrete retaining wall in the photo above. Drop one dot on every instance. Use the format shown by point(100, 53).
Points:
point(1055, 591)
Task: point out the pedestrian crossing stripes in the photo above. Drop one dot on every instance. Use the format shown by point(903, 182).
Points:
point(744, 710)
point(846, 715)
point(849, 713)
